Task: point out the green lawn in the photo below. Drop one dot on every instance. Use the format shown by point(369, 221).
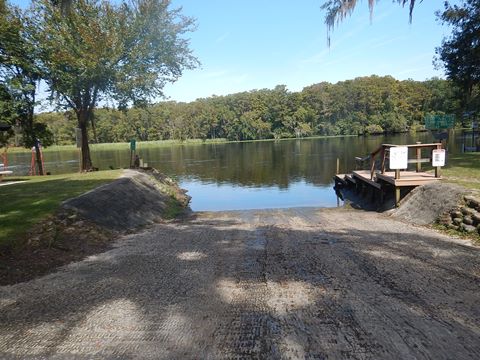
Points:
point(124, 145)
point(24, 204)
point(463, 169)
point(147, 144)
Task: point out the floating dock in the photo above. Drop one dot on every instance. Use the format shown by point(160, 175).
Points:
point(378, 181)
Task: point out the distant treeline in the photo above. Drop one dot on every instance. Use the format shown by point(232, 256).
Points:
point(364, 105)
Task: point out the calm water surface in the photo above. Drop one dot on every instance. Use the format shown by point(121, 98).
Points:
point(250, 175)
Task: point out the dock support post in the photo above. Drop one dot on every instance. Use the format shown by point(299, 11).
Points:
point(397, 196)
point(437, 168)
point(383, 160)
point(419, 156)
point(338, 166)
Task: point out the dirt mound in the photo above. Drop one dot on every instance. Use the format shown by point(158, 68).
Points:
point(88, 224)
point(138, 198)
point(426, 203)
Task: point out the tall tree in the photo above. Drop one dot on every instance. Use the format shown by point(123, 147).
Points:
point(98, 51)
point(7, 115)
point(20, 73)
point(460, 52)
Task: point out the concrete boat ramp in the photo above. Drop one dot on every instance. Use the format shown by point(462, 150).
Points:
point(276, 284)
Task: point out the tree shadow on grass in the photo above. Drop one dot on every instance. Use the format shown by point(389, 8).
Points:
point(22, 205)
point(32, 241)
point(210, 288)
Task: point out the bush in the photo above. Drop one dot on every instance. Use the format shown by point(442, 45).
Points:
point(374, 129)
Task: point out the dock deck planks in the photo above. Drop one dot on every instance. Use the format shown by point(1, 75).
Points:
point(407, 178)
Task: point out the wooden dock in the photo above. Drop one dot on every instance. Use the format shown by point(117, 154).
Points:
point(377, 180)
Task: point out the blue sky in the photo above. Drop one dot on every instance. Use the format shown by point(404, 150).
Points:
point(255, 44)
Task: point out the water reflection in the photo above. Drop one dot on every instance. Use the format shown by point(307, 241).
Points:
point(215, 197)
point(243, 175)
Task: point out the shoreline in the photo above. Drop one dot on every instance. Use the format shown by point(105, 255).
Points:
point(166, 143)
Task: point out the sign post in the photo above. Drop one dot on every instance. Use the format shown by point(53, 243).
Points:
point(438, 160)
point(438, 157)
point(398, 159)
point(133, 147)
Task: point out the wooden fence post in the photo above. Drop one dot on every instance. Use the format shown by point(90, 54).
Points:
point(419, 156)
point(383, 160)
point(438, 168)
point(397, 196)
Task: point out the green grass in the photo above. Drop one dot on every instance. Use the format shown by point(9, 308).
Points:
point(173, 209)
point(474, 237)
point(463, 169)
point(24, 204)
point(147, 144)
point(124, 145)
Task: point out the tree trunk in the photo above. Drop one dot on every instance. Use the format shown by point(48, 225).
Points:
point(83, 117)
point(38, 158)
point(94, 129)
point(36, 145)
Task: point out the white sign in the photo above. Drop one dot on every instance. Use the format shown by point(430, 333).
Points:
point(438, 157)
point(398, 157)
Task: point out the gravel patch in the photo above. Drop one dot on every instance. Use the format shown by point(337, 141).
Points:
point(278, 284)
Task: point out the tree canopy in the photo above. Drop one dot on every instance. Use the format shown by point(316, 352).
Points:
point(363, 105)
point(100, 51)
point(460, 52)
point(20, 72)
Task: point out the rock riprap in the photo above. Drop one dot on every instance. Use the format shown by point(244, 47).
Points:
point(465, 217)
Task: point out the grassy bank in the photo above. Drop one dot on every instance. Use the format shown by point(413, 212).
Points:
point(123, 145)
point(24, 204)
point(463, 169)
point(166, 143)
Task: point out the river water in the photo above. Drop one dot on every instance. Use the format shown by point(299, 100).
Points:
point(247, 175)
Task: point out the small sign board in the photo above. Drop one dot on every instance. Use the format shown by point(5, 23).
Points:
point(433, 122)
point(438, 157)
point(78, 137)
point(133, 144)
point(398, 157)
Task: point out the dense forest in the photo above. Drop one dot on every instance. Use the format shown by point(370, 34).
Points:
point(364, 105)
point(92, 53)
